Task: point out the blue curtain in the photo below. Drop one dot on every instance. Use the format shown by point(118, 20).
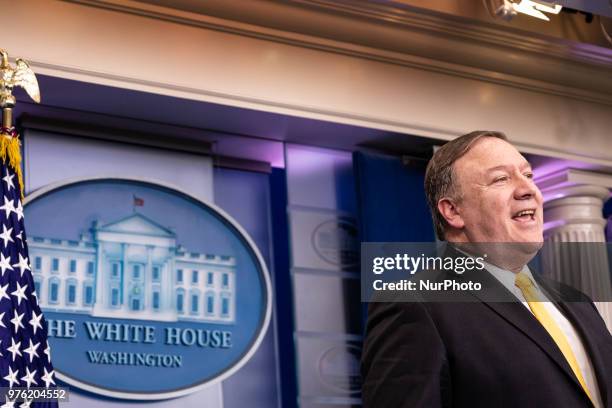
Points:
point(391, 200)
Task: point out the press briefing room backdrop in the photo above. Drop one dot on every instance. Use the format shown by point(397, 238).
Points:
point(199, 175)
point(155, 275)
point(151, 270)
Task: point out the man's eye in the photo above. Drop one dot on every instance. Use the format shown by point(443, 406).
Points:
point(529, 175)
point(500, 179)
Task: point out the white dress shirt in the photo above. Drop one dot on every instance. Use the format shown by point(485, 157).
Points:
point(507, 278)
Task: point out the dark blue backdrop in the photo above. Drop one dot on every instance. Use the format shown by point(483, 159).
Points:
point(391, 199)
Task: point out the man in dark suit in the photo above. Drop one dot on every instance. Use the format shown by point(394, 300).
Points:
point(522, 347)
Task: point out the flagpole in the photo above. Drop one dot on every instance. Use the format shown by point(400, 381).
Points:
point(7, 102)
point(19, 276)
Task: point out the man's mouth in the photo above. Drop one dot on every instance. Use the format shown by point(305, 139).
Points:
point(524, 215)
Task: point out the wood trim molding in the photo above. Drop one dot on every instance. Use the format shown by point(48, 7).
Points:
point(467, 29)
point(409, 37)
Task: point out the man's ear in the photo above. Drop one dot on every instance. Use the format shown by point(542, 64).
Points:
point(450, 212)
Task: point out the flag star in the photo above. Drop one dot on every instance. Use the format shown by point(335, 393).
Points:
point(6, 236)
point(19, 210)
point(31, 351)
point(16, 320)
point(35, 321)
point(19, 293)
point(9, 181)
point(4, 263)
point(8, 403)
point(8, 206)
point(3, 294)
point(47, 351)
point(48, 377)
point(23, 264)
point(20, 236)
point(29, 377)
point(14, 349)
point(12, 377)
point(26, 404)
point(2, 320)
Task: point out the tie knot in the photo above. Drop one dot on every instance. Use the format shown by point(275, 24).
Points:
point(523, 282)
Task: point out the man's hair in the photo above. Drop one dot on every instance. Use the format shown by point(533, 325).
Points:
point(440, 180)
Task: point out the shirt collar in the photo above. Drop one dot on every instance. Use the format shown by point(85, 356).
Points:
point(506, 277)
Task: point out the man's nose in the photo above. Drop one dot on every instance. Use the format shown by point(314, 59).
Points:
point(525, 188)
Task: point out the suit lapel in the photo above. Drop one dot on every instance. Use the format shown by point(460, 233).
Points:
point(495, 296)
point(580, 312)
point(575, 312)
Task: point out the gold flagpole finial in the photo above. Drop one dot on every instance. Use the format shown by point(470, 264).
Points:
point(5, 62)
point(20, 75)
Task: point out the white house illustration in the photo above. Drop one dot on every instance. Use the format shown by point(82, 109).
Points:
point(133, 268)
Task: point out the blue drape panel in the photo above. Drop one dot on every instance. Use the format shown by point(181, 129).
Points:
point(391, 200)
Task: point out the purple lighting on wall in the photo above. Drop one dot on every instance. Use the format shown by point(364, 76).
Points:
point(545, 167)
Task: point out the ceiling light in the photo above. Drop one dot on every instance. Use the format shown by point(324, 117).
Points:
point(546, 6)
point(532, 8)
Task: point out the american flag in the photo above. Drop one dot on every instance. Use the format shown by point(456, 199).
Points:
point(138, 202)
point(25, 358)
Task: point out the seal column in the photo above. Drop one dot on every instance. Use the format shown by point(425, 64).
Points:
point(148, 279)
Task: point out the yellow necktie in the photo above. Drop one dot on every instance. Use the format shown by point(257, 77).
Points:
point(536, 305)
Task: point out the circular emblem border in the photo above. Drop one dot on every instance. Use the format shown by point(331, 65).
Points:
point(324, 354)
point(313, 242)
point(263, 327)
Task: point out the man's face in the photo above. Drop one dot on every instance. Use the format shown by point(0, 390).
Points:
point(500, 202)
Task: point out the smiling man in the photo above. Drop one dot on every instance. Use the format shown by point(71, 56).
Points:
point(524, 348)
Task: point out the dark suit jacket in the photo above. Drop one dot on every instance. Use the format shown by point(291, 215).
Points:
point(478, 353)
